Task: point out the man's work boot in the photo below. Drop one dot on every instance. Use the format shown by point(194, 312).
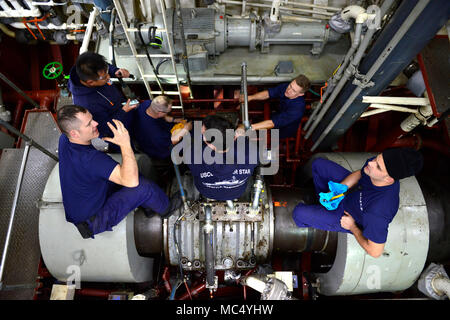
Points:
point(174, 204)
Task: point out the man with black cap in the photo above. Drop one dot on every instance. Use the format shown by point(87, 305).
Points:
point(366, 212)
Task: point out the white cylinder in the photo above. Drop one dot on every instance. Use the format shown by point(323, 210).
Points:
point(405, 251)
point(110, 257)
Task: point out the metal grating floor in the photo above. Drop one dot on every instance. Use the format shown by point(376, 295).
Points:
point(23, 257)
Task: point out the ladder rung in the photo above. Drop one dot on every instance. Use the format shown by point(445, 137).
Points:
point(177, 107)
point(136, 30)
point(170, 93)
point(160, 76)
point(154, 56)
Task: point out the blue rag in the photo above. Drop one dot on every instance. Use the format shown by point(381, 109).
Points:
point(335, 189)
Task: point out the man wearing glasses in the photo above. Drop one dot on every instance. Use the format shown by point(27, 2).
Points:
point(152, 127)
point(91, 88)
point(292, 106)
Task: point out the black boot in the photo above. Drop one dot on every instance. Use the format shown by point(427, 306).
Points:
point(175, 203)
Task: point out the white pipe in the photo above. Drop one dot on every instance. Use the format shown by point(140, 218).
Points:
point(441, 285)
point(393, 108)
point(416, 119)
point(64, 26)
point(380, 108)
point(48, 4)
point(19, 11)
point(286, 18)
point(260, 5)
point(244, 2)
point(255, 283)
point(397, 100)
point(143, 9)
point(306, 5)
point(89, 29)
point(275, 11)
point(352, 12)
point(372, 112)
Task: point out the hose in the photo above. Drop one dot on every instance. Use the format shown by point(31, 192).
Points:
point(160, 63)
point(8, 32)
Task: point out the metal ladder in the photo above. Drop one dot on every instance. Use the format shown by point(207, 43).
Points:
point(137, 56)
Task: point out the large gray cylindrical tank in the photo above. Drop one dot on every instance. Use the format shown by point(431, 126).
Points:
point(110, 257)
point(356, 272)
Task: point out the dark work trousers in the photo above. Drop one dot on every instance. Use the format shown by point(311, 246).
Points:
point(147, 195)
point(316, 216)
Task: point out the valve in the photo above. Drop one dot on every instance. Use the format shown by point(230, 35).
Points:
point(52, 70)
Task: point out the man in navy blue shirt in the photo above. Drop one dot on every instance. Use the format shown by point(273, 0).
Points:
point(366, 212)
point(92, 89)
point(97, 191)
point(152, 128)
point(227, 177)
point(292, 106)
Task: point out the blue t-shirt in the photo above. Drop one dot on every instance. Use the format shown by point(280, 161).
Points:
point(83, 174)
point(104, 103)
point(288, 118)
point(222, 181)
point(372, 207)
point(152, 135)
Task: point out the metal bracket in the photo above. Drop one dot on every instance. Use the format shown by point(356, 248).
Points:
point(361, 81)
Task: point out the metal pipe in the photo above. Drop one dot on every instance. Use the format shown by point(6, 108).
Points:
point(380, 108)
point(170, 41)
point(244, 104)
point(260, 5)
point(293, 18)
point(356, 59)
point(13, 210)
point(342, 81)
point(385, 54)
point(257, 188)
point(441, 285)
point(307, 5)
point(183, 42)
point(89, 29)
point(209, 249)
point(180, 185)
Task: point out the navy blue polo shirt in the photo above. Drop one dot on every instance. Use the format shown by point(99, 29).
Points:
point(288, 118)
point(152, 135)
point(83, 174)
point(373, 208)
point(221, 180)
point(104, 103)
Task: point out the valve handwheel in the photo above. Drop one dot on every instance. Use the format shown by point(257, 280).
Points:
point(52, 70)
